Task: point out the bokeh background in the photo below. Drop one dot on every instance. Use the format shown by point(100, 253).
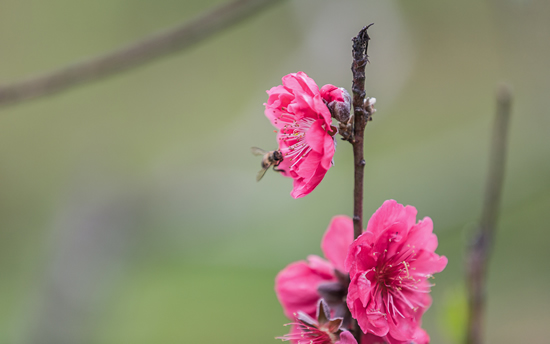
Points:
point(129, 210)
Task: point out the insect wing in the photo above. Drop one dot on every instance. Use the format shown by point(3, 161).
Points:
point(261, 173)
point(258, 151)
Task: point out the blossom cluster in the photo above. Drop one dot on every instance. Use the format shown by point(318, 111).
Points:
point(389, 268)
point(379, 281)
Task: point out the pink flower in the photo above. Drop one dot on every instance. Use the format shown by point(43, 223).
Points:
point(305, 135)
point(297, 285)
point(389, 266)
point(324, 330)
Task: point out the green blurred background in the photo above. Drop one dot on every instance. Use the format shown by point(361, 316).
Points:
point(129, 210)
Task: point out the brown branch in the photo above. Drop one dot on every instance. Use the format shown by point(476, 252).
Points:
point(361, 117)
point(133, 55)
point(480, 249)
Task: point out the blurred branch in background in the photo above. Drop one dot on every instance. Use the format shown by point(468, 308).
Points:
point(94, 232)
point(480, 248)
point(133, 55)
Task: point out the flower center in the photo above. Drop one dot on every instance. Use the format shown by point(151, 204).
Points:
point(390, 276)
point(395, 279)
point(293, 135)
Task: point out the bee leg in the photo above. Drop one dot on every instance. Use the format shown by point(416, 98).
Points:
point(277, 169)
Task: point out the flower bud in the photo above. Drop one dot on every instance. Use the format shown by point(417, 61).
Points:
point(338, 101)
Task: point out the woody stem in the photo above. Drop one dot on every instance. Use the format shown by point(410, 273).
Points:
point(361, 117)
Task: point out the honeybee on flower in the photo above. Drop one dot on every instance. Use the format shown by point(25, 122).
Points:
point(271, 158)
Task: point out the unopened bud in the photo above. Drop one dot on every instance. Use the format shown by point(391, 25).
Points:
point(369, 107)
point(338, 101)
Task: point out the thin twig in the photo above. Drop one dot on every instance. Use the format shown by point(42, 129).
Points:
point(361, 117)
point(480, 248)
point(133, 55)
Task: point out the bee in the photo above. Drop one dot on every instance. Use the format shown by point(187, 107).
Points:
point(271, 158)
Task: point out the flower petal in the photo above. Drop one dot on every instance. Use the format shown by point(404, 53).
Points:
point(315, 137)
point(370, 338)
point(346, 338)
point(300, 81)
point(421, 336)
point(328, 154)
point(304, 186)
point(390, 213)
point(322, 110)
point(279, 98)
point(331, 93)
point(337, 238)
point(296, 285)
point(309, 165)
point(421, 235)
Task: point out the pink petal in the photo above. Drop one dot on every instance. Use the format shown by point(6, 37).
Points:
point(315, 137)
point(322, 110)
point(346, 338)
point(429, 262)
point(307, 167)
point(300, 82)
point(331, 93)
point(279, 98)
point(321, 266)
point(354, 249)
point(421, 235)
point(296, 285)
point(309, 82)
point(370, 338)
point(304, 186)
point(365, 260)
point(390, 213)
point(421, 337)
point(364, 287)
point(329, 148)
point(370, 322)
point(299, 188)
point(391, 239)
point(337, 238)
point(401, 329)
point(353, 295)
point(303, 106)
point(373, 323)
